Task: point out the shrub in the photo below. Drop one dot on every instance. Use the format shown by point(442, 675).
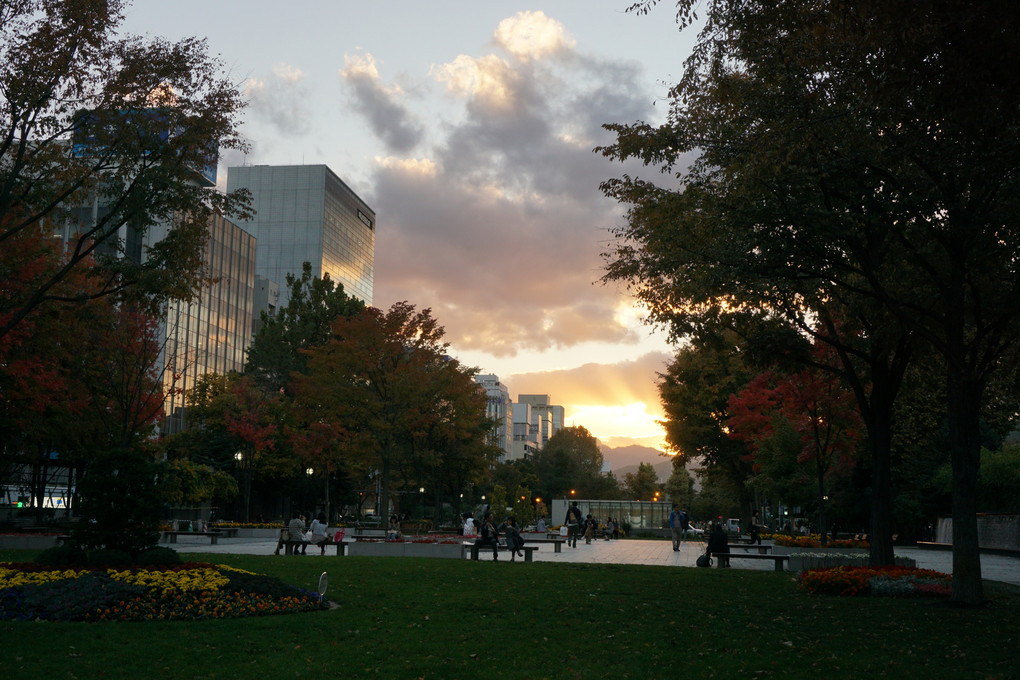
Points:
point(109, 558)
point(62, 555)
point(157, 556)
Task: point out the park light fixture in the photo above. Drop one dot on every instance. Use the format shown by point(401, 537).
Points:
point(238, 456)
point(309, 471)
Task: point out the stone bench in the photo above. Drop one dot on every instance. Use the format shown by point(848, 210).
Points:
point(778, 559)
point(171, 536)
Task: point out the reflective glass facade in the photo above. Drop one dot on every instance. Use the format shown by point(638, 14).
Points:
point(211, 334)
point(305, 213)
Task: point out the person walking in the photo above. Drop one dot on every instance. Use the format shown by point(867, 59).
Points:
point(685, 525)
point(573, 522)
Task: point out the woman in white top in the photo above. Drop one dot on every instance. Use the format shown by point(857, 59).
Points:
point(319, 532)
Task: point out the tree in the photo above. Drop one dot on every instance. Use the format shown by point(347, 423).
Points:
point(278, 348)
point(569, 462)
point(841, 157)
point(680, 485)
point(103, 133)
point(386, 380)
point(694, 392)
point(811, 403)
point(641, 485)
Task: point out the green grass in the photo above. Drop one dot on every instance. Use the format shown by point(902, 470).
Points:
point(422, 618)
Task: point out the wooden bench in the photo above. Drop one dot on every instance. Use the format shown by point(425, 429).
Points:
point(171, 536)
point(473, 548)
point(778, 559)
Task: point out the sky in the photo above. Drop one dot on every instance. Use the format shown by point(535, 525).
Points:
point(469, 128)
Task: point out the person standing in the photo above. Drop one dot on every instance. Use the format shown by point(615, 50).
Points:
point(675, 527)
point(573, 522)
point(755, 529)
point(685, 525)
point(589, 528)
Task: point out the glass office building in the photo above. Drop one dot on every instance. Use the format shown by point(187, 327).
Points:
point(211, 334)
point(305, 213)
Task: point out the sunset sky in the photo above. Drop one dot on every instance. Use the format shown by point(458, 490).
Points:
point(469, 129)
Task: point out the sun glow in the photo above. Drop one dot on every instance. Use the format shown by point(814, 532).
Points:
point(616, 425)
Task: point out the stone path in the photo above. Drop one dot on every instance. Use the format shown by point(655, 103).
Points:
point(633, 551)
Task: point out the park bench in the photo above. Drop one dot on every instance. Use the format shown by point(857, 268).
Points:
point(473, 548)
point(556, 542)
point(762, 549)
point(778, 559)
point(171, 536)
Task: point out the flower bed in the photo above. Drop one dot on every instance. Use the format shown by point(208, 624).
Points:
point(179, 592)
point(815, 541)
point(887, 581)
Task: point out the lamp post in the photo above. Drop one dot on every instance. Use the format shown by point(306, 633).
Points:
point(244, 464)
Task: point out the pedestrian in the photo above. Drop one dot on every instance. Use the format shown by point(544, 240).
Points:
point(489, 536)
point(675, 527)
point(755, 529)
point(541, 528)
point(573, 522)
point(685, 525)
point(589, 528)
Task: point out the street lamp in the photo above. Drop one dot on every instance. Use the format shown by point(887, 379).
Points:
point(245, 480)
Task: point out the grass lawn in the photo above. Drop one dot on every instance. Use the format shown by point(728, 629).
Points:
point(432, 618)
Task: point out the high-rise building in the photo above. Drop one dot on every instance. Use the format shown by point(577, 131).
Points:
point(305, 213)
point(546, 418)
point(498, 408)
point(211, 334)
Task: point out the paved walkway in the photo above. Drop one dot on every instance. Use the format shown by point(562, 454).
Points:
point(631, 551)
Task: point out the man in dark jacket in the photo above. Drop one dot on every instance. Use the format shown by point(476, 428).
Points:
point(719, 546)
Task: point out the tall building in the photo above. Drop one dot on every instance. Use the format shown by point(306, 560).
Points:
point(305, 213)
point(524, 444)
point(546, 418)
point(498, 408)
point(211, 334)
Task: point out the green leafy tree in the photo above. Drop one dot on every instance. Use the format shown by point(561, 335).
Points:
point(680, 485)
point(695, 389)
point(641, 485)
point(569, 461)
point(279, 346)
point(841, 158)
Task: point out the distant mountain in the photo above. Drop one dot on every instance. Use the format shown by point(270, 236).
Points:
point(626, 459)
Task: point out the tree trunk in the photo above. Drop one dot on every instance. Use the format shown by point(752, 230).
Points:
point(965, 448)
point(879, 424)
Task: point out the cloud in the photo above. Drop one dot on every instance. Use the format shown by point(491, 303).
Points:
point(532, 35)
point(501, 234)
point(381, 107)
point(279, 100)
